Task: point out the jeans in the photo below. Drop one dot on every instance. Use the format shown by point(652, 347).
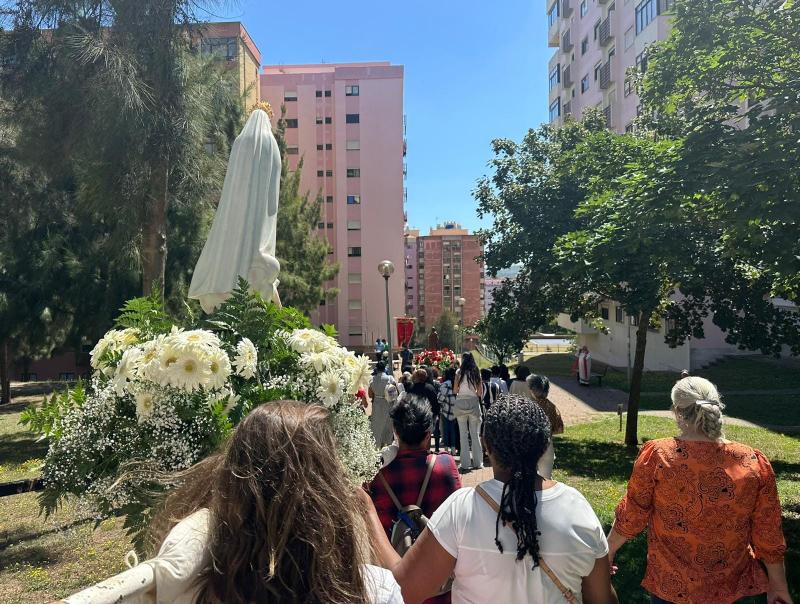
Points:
point(436, 433)
point(450, 432)
point(468, 416)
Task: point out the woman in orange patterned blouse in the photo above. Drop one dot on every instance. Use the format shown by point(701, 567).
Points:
point(711, 509)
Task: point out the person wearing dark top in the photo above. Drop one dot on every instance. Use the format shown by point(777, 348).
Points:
point(407, 356)
point(412, 420)
point(505, 375)
point(421, 386)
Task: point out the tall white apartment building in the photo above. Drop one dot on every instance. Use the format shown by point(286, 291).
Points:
point(596, 42)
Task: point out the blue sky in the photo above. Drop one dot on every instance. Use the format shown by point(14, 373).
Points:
point(474, 71)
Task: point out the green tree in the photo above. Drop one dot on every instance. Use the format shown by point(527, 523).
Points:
point(727, 80)
point(303, 254)
point(502, 330)
point(446, 328)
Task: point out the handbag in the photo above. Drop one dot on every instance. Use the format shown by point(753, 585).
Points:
point(565, 591)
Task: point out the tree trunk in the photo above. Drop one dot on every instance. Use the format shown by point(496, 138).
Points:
point(5, 381)
point(154, 243)
point(632, 423)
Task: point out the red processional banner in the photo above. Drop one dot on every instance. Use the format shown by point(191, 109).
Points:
point(405, 330)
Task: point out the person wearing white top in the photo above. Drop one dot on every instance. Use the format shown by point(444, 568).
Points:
point(468, 389)
point(555, 553)
point(272, 518)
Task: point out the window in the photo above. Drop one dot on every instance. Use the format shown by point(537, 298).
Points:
point(320, 173)
point(555, 76)
point(68, 376)
point(292, 150)
point(352, 118)
point(354, 252)
point(604, 312)
point(629, 129)
point(355, 330)
point(555, 109)
point(585, 83)
point(291, 123)
point(354, 278)
point(353, 225)
point(618, 316)
point(584, 9)
point(353, 145)
point(289, 96)
point(330, 225)
point(585, 45)
point(646, 12)
point(327, 93)
point(319, 147)
point(320, 225)
point(353, 172)
point(319, 94)
point(351, 91)
point(328, 146)
point(353, 200)
point(627, 87)
point(329, 173)
point(221, 48)
point(597, 29)
point(634, 319)
point(597, 69)
point(629, 37)
point(329, 199)
point(554, 13)
point(328, 120)
point(641, 62)
point(319, 120)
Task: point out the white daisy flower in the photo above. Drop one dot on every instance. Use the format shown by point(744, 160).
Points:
point(189, 372)
point(330, 390)
point(219, 366)
point(246, 359)
point(126, 369)
point(197, 337)
point(145, 403)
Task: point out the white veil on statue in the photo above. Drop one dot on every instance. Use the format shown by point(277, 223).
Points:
point(242, 238)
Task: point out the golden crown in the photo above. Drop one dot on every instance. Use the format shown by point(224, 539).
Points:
point(265, 107)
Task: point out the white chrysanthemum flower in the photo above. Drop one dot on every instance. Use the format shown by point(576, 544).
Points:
point(197, 337)
point(115, 340)
point(126, 369)
point(318, 360)
point(362, 373)
point(330, 390)
point(189, 372)
point(310, 340)
point(219, 366)
point(145, 403)
point(150, 362)
point(167, 358)
point(246, 359)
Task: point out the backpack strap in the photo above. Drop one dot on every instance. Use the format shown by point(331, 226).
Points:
point(431, 463)
point(565, 591)
point(390, 492)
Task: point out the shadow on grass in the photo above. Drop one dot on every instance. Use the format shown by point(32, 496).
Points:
point(34, 555)
point(18, 448)
point(16, 407)
point(9, 538)
point(594, 458)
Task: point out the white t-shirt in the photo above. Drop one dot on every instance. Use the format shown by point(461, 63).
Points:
point(184, 554)
point(571, 540)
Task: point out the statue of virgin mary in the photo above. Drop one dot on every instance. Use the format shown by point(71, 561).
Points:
point(242, 238)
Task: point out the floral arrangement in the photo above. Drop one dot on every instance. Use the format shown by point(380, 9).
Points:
point(162, 397)
point(441, 359)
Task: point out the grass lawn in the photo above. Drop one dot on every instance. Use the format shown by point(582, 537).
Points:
point(592, 458)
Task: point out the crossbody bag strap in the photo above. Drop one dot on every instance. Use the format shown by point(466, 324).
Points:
point(565, 591)
point(390, 492)
point(431, 463)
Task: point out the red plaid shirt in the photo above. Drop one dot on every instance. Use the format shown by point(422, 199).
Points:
point(405, 475)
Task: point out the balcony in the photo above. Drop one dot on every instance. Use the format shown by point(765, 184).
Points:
point(607, 116)
point(601, 2)
point(567, 108)
point(605, 32)
point(566, 76)
point(553, 29)
point(566, 41)
point(566, 8)
point(606, 78)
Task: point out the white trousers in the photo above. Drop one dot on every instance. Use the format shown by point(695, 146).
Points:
point(469, 426)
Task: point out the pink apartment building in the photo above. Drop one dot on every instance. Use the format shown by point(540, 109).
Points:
point(411, 276)
point(597, 41)
point(346, 122)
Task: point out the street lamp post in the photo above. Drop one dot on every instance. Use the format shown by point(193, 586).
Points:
point(386, 268)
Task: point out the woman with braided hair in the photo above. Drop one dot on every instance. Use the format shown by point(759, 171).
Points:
point(517, 538)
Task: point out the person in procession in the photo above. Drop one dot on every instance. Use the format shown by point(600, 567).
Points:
point(382, 392)
point(468, 389)
point(539, 387)
point(515, 539)
point(711, 509)
point(497, 379)
point(519, 385)
point(447, 399)
point(272, 518)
